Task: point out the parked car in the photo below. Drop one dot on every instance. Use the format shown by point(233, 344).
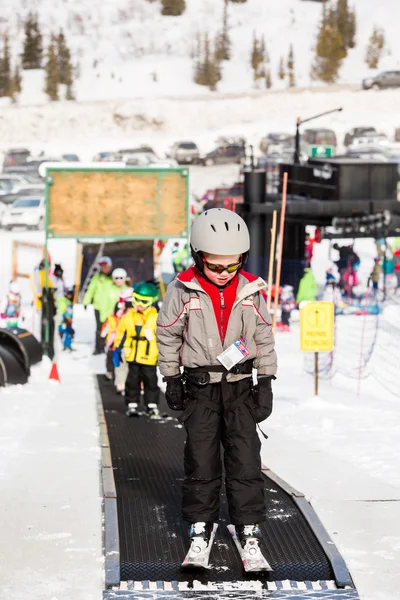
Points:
point(30, 189)
point(358, 132)
point(222, 155)
point(129, 152)
point(384, 80)
point(10, 183)
point(70, 157)
point(317, 137)
point(26, 212)
point(378, 139)
point(26, 171)
point(107, 157)
point(185, 153)
point(15, 157)
point(150, 160)
point(274, 142)
point(377, 154)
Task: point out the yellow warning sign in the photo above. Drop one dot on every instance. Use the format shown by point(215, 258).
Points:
point(316, 327)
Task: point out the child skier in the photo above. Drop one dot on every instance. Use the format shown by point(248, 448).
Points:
point(65, 309)
point(288, 303)
point(10, 306)
point(136, 337)
point(214, 323)
point(119, 371)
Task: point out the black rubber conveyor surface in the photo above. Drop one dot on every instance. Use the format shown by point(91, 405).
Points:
point(148, 471)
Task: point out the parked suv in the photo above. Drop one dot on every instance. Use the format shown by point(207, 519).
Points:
point(359, 132)
point(16, 157)
point(223, 155)
point(185, 153)
point(387, 79)
point(28, 212)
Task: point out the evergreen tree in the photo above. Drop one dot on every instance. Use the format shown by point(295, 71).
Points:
point(352, 29)
point(342, 19)
point(268, 79)
point(33, 44)
point(281, 71)
point(5, 69)
point(375, 48)
point(63, 59)
point(15, 85)
point(173, 8)
point(223, 43)
point(52, 81)
point(258, 58)
point(290, 68)
point(207, 66)
point(329, 51)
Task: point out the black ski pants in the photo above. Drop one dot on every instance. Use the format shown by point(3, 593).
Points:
point(99, 343)
point(215, 414)
point(136, 375)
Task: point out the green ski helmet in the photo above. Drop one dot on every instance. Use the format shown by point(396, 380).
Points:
point(144, 294)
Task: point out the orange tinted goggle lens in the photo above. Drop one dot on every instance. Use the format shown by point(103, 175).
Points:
point(220, 268)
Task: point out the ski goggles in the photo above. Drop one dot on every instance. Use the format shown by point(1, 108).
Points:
point(144, 301)
point(119, 278)
point(232, 268)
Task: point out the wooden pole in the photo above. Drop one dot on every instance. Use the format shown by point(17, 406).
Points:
point(316, 374)
point(271, 259)
point(281, 235)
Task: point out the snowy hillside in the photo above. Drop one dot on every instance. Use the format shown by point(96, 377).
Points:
point(128, 49)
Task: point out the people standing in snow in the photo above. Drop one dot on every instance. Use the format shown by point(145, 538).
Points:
point(65, 310)
point(308, 287)
point(288, 303)
point(98, 294)
point(10, 306)
point(136, 340)
point(214, 323)
point(375, 275)
point(108, 332)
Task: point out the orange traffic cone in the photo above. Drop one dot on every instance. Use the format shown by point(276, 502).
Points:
point(54, 376)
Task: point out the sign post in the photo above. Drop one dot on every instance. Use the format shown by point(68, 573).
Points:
point(316, 331)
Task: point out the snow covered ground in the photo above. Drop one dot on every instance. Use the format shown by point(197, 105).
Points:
point(340, 449)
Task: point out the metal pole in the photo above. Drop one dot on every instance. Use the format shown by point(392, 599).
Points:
point(297, 143)
point(271, 259)
point(316, 374)
point(281, 236)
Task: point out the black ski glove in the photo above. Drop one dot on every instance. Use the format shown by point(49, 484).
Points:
point(263, 397)
point(175, 392)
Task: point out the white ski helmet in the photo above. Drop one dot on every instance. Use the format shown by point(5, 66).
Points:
point(105, 260)
point(119, 274)
point(14, 288)
point(219, 231)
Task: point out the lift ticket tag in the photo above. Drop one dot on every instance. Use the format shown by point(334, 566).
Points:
point(234, 354)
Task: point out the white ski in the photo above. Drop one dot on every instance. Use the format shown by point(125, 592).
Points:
point(251, 555)
point(199, 552)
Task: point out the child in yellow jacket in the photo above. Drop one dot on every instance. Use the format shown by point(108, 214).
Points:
point(117, 372)
point(136, 340)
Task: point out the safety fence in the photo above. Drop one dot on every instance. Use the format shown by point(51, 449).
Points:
point(366, 345)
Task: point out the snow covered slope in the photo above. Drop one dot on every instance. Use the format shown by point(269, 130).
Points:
point(127, 49)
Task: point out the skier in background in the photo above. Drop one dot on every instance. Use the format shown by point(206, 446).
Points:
point(65, 309)
point(288, 303)
point(307, 287)
point(219, 405)
point(98, 294)
point(375, 275)
point(136, 338)
point(58, 280)
point(108, 332)
point(10, 306)
point(180, 257)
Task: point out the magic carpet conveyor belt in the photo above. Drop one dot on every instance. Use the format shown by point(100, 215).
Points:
point(143, 559)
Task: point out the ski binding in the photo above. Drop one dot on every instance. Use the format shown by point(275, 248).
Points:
point(251, 555)
point(198, 555)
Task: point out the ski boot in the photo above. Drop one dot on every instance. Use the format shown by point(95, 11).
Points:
point(132, 410)
point(153, 411)
point(201, 539)
point(109, 376)
point(249, 537)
